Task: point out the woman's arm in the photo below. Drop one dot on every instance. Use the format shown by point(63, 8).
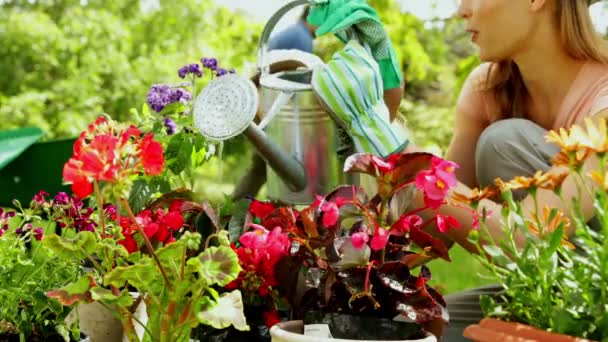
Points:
point(470, 121)
point(544, 198)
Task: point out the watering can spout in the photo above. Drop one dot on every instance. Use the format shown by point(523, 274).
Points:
point(288, 168)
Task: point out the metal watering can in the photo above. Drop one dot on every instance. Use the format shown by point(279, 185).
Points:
point(301, 142)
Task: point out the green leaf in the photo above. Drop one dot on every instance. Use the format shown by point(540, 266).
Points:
point(78, 291)
point(178, 153)
point(79, 247)
point(106, 296)
point(173, 108)
point(236, 225)
point(142, 191)
point(219, 265)
point(227, 311)
point(143, 276)
point(555, 240)
point(497, 254)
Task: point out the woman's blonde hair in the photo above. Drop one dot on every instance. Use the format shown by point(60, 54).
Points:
point(580, 40)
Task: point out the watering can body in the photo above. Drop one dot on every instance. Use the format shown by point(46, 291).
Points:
point(304, 129)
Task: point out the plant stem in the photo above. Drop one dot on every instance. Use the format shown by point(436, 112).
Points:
point(366, 283)
point(100, 208)
point(147, 243)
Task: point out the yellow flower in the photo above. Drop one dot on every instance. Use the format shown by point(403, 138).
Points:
point(577, 139)
point(595, 137)
point(600, 178)
point(567, 142)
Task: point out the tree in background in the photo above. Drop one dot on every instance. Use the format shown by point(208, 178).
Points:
point(64, 62)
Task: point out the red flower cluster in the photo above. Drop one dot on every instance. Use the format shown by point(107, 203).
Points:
point(106, 152)
point(258, 253)
point(158, 225)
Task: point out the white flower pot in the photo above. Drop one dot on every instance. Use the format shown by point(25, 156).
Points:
point(97, 322)
point(292, 331)
point(140, 315)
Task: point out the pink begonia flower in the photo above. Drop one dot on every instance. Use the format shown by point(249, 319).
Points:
point(277, 244)
point(435, 190)
point(255, 238)
point(405, 223)
point(330, 213)
point(444, 223)
point(358, 240)
point(445, 170)
point(380, 239)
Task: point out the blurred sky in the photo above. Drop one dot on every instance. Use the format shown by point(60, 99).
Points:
point(425, 9)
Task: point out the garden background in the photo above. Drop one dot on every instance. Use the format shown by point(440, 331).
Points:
point(62, 62)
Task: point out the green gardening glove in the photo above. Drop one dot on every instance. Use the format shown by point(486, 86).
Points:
point(348, 19)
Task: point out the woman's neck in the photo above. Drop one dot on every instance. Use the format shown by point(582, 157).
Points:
point(548, 73)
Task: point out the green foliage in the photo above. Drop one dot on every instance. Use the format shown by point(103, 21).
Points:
point(64, 63)
point(552, 283)
point(186, 294)
point(28, 271)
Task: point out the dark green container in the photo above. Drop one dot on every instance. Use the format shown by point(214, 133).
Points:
point(28, 166)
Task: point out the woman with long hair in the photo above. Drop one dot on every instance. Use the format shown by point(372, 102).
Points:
point(545, 67)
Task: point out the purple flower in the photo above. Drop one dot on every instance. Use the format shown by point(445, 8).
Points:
point(62, 198)
point(170, 126)
point(162, 95)
point(209, 63)
point(180, 95)
point(39, 197)
point(221, 72)
point(159, 96)
point(194, 69)
point(183, 71)
point(109, 209)
point(38, 234)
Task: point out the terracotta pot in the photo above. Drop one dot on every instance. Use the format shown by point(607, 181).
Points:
point(292, 331)
point(494, 330)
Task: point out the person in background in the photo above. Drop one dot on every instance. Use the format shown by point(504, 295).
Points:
point(545, 68)
point(298, 36)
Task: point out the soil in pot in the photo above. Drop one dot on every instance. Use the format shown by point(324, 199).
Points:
point(38, 338)
point(258, 331)
point(352, 327)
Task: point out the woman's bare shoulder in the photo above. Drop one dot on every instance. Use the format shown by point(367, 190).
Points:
point(475, 100)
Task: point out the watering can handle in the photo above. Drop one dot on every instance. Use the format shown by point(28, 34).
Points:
point(272, 22)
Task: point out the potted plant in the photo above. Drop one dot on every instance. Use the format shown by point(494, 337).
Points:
point(28, 271)
point(556, 284)
point(344, 265)
point(151, 251)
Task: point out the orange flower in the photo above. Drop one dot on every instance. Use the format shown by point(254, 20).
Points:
point(572, 159)
point(551, 219)
point(476, 195)
point(540, 180)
